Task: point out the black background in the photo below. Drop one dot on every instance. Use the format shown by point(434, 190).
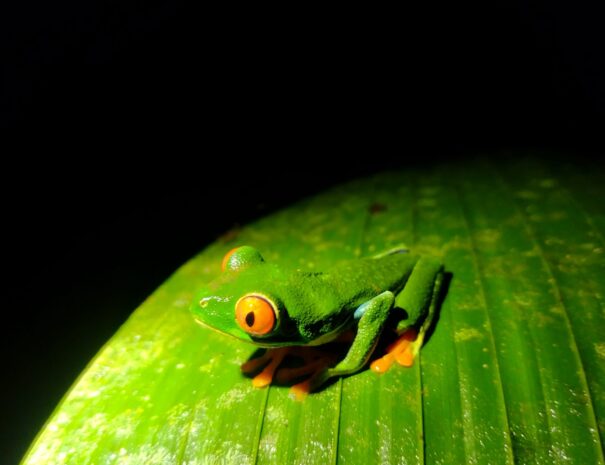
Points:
point(135, 133)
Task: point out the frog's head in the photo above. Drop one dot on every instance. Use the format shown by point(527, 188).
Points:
point(243, 300)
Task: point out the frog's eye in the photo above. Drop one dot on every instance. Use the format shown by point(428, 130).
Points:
point(241, 257)
point(255, 315)
point(226, 258)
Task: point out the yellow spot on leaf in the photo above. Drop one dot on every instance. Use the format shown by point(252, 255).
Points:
point(525, 194)
point(488, 235)
point(466, 334)
point(547, 183)
point(600, 349)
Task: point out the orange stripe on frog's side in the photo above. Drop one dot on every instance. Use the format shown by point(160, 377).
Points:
point(226, 258)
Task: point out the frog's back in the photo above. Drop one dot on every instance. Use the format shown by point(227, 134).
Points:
point(357, 281)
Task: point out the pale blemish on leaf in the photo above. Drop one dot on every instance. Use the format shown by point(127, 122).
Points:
point(541, 319)
point(429, 190)
point(526, 195)
point(600, 349)
point(148, 454)
point(269, 443)
point(467, 334)
point(557, 216)
point(554, 241)
point(235, 395)
point(488, 235)
point(427, 202)
point(557, 310)
point(178, 414)
point(547, 183)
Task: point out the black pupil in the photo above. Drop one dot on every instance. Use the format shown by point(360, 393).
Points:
point(250, 319)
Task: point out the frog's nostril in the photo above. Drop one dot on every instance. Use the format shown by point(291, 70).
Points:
point(250, 319)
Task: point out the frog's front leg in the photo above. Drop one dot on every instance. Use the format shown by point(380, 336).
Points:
point(372, 316)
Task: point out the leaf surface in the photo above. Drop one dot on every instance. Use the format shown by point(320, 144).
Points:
point(512, 373)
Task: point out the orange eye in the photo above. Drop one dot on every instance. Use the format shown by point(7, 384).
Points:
point(255, 315)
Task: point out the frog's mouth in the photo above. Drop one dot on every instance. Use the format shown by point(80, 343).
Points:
point(257, 342)
point(203, 324)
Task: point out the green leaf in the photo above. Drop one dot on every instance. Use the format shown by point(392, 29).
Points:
point(514, 371)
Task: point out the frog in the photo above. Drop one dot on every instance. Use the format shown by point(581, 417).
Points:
point(287, 310)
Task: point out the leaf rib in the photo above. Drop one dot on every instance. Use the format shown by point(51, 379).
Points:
point(484, 305)
point(439, 360)
point(417, 365)
point(337, 423)
point(259, 427)
point(180, 458)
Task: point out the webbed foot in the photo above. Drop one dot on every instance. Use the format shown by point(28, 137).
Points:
point(402, 351)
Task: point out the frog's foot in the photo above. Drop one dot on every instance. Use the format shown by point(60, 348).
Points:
point(402, 351)
point(274, 357)
point(301, 390)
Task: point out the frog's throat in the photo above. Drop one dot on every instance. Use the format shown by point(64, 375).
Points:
point(323, 339)
point(266, 345)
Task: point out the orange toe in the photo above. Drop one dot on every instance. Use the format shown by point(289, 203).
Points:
point(382, 364)
point(405, 358)
point(301, 390)
point(265, 377)
point(397, 351)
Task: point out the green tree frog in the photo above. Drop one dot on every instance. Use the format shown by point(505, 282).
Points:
point(266, 305)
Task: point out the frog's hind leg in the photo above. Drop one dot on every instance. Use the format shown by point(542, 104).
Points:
point(265, 377)
point(414, 347)
point(313, 360)
point(315, 363)
point(419, 297)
